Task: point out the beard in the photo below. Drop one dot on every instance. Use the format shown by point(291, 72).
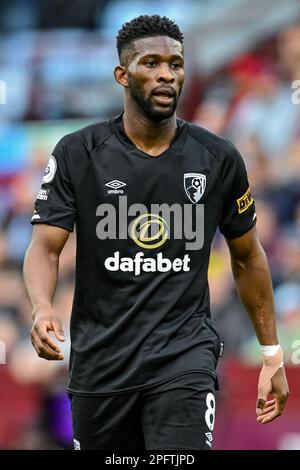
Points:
point(146, 106)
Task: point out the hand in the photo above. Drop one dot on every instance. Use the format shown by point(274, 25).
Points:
point(267, 411)
point(44, 321)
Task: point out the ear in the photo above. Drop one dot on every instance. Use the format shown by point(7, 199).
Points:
point(120, 74)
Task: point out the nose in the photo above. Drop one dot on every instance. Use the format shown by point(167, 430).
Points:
point(165, 74)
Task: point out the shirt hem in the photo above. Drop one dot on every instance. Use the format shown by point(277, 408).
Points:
point(139, 387)
point(239, 233)
point(53, 224)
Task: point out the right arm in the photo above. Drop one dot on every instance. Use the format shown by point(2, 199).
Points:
point(40, 276)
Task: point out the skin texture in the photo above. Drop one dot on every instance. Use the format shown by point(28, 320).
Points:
point(149, 65)
point(252, 277)
point(40, 276)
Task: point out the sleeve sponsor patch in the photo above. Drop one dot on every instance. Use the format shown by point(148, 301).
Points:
point(50, 170)
point(43, 194)
point(245, 201)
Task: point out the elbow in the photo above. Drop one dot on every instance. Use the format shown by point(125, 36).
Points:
point(254, 262)
point(37, 252)
point(251, 255)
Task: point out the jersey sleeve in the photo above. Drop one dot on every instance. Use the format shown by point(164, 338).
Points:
point(238, 213)
point(55, 202)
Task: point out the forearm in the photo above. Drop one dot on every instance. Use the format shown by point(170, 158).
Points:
point(253, 281)
point(40, 275)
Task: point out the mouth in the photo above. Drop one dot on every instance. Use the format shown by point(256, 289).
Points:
point(164, 96)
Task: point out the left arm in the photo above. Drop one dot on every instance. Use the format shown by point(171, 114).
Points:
point(252, 277)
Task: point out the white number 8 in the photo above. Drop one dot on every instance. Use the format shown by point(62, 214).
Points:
point(210, 412)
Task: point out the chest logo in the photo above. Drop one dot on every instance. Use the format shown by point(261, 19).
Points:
point(115, 186)
point(149, 231)
point(194, 185)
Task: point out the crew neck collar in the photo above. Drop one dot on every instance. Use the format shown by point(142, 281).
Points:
point(175, 145)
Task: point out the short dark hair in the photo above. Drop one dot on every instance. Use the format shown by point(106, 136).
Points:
point(145, 26)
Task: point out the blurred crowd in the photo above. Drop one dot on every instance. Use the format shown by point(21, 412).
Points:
point(252, 105)
point(250, 102)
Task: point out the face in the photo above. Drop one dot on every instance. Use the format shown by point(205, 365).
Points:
point(155, 75)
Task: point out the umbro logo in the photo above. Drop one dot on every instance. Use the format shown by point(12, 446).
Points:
point(115, 185)
point(209, 438)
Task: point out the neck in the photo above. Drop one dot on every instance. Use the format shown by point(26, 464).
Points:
point(149, 136)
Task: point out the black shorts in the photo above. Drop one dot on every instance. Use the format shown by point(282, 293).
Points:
point(178, 414)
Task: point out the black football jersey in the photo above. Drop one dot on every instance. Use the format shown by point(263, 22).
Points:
point(144, 226)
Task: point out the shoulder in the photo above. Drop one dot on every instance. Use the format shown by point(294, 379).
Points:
point(72, 153)
point(87, 137)
point(219, 147)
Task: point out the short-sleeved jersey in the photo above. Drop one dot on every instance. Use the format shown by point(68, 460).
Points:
point(144, 225)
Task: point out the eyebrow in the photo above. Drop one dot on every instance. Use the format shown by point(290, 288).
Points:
point(155, 55)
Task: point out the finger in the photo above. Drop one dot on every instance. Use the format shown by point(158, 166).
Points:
point(44, 351)
point(47, 341)
point(260, 404)
point(266, 415)
point(264, 406)
point(58, 331)
point(270, 402)
point(42, 334)
point(263, 393)
point(264, 389)
point(267, 410)
point(269, 417)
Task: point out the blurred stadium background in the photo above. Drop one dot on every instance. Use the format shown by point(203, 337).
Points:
point(56, 62)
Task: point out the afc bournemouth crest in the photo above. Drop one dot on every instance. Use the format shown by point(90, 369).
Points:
point(194, 185)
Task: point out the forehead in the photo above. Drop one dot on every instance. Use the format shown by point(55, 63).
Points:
point(161, 45)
